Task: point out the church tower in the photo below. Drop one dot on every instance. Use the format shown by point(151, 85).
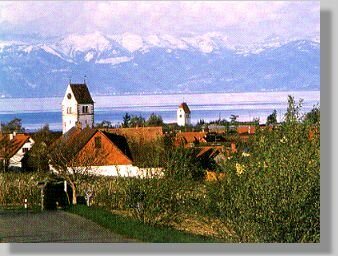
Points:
point(183, 115)
point(77, 107)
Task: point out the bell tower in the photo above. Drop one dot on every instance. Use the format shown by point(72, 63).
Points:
point(183, 115)
point(77, 107)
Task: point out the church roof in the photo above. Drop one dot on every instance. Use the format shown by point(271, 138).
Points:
point(185, 107)
point(81, 93)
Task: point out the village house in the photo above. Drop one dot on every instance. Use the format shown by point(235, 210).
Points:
point(190, 139)
point(13, 147)
point(219, 129)
point(94, 151)
point(246, 129)
point(103, 151)
point(183, 115)
point(77, 107)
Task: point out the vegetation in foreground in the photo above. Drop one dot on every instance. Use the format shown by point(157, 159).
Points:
point(270, 193)
point(132, 228)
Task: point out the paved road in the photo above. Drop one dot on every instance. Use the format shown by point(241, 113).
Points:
point(53, 226)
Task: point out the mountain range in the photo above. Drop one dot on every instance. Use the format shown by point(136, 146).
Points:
point(133, 64)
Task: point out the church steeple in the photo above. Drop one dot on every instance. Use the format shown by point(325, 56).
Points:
point(183, 115)
point(77, 107)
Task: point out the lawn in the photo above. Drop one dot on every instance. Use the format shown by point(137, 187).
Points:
point(132, 228)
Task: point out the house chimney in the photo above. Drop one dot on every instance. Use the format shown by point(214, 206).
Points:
point(12, 135)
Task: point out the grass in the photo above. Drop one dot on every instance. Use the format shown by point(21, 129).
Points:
point(132, 228)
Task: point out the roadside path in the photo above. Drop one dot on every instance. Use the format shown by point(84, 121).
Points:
point(53, 227)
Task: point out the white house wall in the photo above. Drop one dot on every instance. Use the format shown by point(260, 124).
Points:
point(118, 171)
point(15, 161)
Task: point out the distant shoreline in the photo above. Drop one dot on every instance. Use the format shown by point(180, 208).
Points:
point(162, 93)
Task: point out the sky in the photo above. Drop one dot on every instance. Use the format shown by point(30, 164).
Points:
point(241, 21)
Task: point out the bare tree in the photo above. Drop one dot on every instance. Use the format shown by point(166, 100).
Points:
point(73, 164)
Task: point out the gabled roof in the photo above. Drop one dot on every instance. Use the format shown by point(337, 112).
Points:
point(81, 93)
point(8, 147)
point(185, 108)
point(190, 137)
point(138, 134)
point(120, 142)
point(74, 141)
point(246, 129)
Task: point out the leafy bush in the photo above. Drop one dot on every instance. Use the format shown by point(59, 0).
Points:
point(182, 164)
point(273, 195)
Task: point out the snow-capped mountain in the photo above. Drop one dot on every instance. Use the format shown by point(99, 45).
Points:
point(130, 63)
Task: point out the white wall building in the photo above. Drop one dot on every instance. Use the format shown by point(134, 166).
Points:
point(13, 148)
point(77, 107)
point(183, 115)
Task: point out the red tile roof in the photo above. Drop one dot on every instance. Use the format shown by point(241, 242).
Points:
point(246, 129)
point(138, 134)
point(79, 146)
point(189, 137)
point(8, 147)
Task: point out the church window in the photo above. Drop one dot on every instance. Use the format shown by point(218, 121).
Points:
point(84, 109)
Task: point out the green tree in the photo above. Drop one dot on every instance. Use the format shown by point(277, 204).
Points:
point(14, 125)
point(273, 194)
point(154, 120)
point(136, 121)
point(5, 151)
point(126, 120)
point(104, 124)
point(233, 119)
point(293, 112)
point(313, 117)
point(182, 164)
point(37, 158)
point(272, 118)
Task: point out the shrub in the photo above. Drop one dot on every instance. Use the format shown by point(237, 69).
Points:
point(273, 195)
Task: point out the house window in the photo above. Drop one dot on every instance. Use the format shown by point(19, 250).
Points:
point(84, 109)
point(24, 150)
point(180, 116)
point(69, 110)
point(97, 142)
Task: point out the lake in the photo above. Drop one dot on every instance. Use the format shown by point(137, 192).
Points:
point(35, 112)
